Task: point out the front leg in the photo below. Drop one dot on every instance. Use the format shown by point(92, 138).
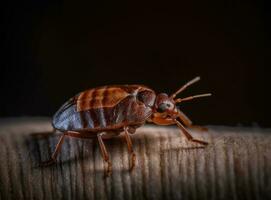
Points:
point(157, 119)
point(187, 134)
point(160, 120)
point(188, 123)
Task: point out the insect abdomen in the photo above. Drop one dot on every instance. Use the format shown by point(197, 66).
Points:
point(133, 109)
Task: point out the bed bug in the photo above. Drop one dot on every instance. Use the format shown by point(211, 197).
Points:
point(105, 112)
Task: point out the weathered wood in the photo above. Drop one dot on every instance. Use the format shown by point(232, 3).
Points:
point(236, 164)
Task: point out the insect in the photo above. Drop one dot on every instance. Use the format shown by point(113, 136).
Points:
point(105, 112)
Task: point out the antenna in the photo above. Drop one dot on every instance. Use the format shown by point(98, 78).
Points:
point(185, 86)
point(192, 97)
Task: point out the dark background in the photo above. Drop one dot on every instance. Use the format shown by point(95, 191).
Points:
point(52, 50)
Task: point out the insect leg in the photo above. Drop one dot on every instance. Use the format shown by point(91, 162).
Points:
point(130, 148)
point(183, 117)
point(188, 123)
point(162, 121)
point(59, 144)
point(54, 155)
point(187, 134)
point(77, 135)
point(104, 154)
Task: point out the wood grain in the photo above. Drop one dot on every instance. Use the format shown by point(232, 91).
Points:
point(236, 164)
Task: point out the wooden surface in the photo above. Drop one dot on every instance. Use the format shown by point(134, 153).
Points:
point(236, 164)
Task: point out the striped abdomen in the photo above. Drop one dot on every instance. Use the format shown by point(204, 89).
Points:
point(106, 108)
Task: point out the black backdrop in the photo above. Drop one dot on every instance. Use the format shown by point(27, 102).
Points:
point(54, 49)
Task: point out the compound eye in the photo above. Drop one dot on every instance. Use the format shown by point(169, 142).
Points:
point(162, 107)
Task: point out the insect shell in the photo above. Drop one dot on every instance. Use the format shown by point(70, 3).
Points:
point(106, 108)
point(106, 111)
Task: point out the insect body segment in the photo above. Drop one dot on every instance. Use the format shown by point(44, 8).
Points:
point(107, 111)
point(104, 97)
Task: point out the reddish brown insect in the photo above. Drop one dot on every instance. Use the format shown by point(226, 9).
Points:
point(107, 111)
